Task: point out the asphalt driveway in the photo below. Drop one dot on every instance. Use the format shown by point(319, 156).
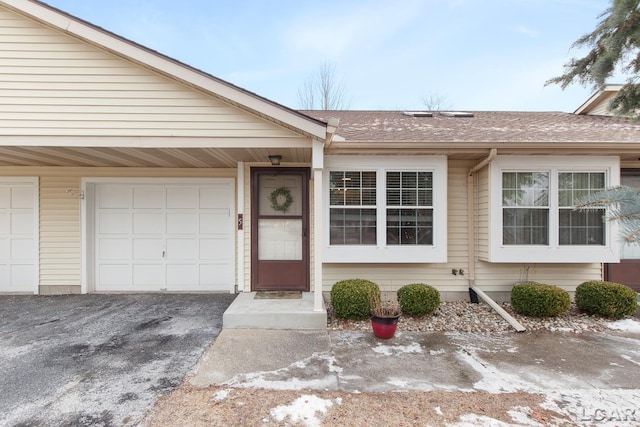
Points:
point(99, 360)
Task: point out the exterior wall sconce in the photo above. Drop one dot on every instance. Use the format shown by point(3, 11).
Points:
point(275, 159)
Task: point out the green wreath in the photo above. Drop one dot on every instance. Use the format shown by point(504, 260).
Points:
point(276, 199)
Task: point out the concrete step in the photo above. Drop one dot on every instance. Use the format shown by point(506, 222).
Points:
point(246, 312)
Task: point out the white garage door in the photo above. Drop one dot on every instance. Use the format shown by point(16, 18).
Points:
point(173, 237)
point(18, 235)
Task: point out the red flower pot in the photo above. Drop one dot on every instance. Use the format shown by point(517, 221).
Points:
point(384, 327)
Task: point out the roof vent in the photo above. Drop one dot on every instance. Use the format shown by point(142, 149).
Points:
point(456, 114)
point(417, 113)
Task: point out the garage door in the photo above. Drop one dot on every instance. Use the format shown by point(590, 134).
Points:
point(18, 235)
point(173, 237)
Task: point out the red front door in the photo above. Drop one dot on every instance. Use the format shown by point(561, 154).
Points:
point(279, 229)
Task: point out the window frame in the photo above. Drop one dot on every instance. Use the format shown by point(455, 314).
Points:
point(553, 252)
point(380, 252)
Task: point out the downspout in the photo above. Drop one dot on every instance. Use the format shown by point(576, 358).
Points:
point(471, 213)
point(474, 291)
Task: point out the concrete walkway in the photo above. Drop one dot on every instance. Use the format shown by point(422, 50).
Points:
point(580, 373)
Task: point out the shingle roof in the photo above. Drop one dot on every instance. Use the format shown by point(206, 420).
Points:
point(484, 126)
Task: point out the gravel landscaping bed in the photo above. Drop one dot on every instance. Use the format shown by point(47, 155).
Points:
point(464, 316)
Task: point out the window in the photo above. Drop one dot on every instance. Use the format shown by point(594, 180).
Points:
point(409, 208)
point(536, 196)
point(352, 199)
point(525, 208)
point(386, 209)
point(580, 227)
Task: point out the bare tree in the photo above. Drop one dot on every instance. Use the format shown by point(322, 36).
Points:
point(436, 102)
point(322, 91)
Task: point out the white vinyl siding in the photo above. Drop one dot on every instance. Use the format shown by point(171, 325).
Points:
point(53, 84)
point(482, 212)
point(602, 109)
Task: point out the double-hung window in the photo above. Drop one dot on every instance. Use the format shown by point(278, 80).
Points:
point(390, 209)
point(533, 215)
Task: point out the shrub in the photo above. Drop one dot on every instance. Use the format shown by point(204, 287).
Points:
point(539, 300)
point(352, 298)
point(418, 299)
point(607, 299)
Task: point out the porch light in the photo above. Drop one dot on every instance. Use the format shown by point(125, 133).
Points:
point(275, 159)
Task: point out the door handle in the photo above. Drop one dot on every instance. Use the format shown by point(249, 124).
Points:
point(304, 232)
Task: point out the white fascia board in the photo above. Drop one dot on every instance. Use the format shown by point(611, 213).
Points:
point(159, 62)
point(152, 142)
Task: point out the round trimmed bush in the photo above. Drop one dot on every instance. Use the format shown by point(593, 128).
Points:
point(352, 298)
point(418, 299)
point(606, 299)
point(539, 300)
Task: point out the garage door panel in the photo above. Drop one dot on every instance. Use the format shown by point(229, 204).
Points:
point(22, 249)
point(148, 249)
point(148, 223)
point(215, 249)
point(182, 198)
point(182, 249)
point(22, 223)
point(182, 276)
point(22, 276)
point(22, 198)
point(114, 249)
point(180, 237)
point(114, 223)
point(115, 275)
point(114, 197)
point(5, 250)
point(182, 223)
point(216, 222)
point(149, 275)
point(149, 197)
point(212, 278)
point(5, 223)
point(210, 197)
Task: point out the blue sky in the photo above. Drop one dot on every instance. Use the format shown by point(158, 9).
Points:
point(476, 54)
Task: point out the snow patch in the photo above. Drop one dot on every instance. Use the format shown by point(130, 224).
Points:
point(302, 374)
point(626, 325)
point(221, 395)
point(473, 420)
point(390, 350)
point(303, 410)
point(522, 416)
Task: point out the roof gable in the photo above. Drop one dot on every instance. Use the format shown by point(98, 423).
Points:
point(598, 103)
point(140, 56)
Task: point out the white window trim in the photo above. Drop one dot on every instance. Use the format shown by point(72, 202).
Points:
point(435, 253)
point(553, 252)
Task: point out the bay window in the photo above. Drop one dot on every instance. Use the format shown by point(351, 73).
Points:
point(537, 219)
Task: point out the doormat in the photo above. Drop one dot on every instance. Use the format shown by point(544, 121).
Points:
point(278, 295)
